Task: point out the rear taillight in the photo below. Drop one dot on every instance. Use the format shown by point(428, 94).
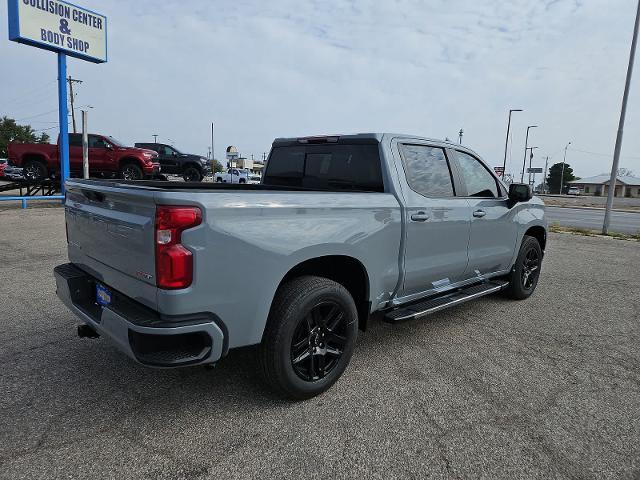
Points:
point(174, 263)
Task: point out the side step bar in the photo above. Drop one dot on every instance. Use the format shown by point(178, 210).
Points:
point(450, 299)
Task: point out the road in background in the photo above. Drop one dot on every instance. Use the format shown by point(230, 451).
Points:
point(592, 218)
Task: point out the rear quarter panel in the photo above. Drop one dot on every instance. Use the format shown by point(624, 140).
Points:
point(249, 241)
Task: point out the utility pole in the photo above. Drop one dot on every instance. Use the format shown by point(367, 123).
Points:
point(155, 138)
point(544, 180)
point(264, 157)
point(460, 134)
point(562, 171)
point(623, 113)
point(524, 160)
point(73, 113)
point(506, 142)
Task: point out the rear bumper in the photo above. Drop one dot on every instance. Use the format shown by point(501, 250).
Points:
point(144, 335)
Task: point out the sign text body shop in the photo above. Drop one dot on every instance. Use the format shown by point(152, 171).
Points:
point(59, 26)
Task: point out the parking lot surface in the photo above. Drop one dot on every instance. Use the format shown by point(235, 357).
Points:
point(544, 388)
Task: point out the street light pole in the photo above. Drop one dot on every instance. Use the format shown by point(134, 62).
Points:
point(544, 179)
point(212, 144)
point(155, 138)
point(623, 113)
point(460, 134)
point(530, 162)
point(506, 142)
point(524, 160)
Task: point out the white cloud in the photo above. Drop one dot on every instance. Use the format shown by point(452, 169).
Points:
point(267, 69)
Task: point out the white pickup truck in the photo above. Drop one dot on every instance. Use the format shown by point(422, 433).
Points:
point(236, 175)
point(176, 274)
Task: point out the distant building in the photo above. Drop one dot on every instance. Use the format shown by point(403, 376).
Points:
point(626, 186)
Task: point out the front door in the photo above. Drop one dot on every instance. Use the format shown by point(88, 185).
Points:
point(99, 154)
point(437, 222)
point(168, 159)
point(493, 227)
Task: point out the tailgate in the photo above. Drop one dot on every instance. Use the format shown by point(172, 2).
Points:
point(112, 226)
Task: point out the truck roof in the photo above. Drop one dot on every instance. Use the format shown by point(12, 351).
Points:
point(364, 138)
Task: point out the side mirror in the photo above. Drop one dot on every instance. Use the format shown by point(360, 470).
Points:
point(174, 154)
point(520, 192)
point(108, 146)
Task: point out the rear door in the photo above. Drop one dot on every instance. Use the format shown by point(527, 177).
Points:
point(75, 152)
point(493, 229)
point(437, 221)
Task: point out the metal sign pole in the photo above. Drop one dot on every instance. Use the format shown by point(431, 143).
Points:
point(63, 114)
point(85, 146)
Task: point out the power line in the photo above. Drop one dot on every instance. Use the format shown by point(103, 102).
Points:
point(600, 154)
point(38, 115)
point(30, 92)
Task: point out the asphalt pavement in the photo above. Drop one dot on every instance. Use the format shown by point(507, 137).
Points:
point(593, 218)
point(544, 388)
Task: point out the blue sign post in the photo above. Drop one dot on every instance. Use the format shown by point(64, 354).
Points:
point(66, 29)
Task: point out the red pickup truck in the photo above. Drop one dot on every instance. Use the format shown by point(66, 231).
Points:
point(107, 157)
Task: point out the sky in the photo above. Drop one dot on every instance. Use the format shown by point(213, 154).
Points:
point(262, 70)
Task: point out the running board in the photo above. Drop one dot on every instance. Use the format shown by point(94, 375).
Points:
point(427, 307)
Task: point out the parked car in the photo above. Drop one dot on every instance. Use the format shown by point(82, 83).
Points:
point(107, 157)
point(3, 164)
point(193, 168)
point(573, 191)
point(234, 175)
point(340, 228)
point(13, 173)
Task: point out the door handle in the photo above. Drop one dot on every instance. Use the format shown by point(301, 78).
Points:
point(479, 213)
point(419, 217)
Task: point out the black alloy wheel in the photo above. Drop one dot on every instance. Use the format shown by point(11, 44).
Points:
point(192, 174)
point(131, 171)
point(34, 171)
point(318, 341)
point(525, 273)
point(530, 268)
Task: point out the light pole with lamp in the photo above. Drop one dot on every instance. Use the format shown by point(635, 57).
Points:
point(524, 161)
point(506, 142)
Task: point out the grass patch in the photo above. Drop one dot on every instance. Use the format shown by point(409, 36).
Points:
point(585, 232)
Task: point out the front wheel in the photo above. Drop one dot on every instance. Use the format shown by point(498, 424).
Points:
point(524, 275)
point(131, 171)
point(219, 180)
point(192, 174)
point(309, 338)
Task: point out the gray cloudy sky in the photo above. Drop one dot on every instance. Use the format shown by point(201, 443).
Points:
point(291, 67)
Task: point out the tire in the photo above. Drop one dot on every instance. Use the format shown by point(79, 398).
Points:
point(525, 273)
point(131, 171)
point(242, 180)
point(192, 174)
point(309, 338)
point(35, 170)
point(219, 180)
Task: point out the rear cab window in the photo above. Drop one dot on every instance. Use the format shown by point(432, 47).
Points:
point(326, 166)
point(427, 170)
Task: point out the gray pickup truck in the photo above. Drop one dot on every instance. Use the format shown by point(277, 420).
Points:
point(341, 227)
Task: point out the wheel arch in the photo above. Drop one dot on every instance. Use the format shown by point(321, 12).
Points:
point(343, 269)
point(539, 233)
point(125, 160)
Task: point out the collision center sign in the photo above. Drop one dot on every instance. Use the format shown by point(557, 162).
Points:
point(59, 26)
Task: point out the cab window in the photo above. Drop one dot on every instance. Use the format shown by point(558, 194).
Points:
point(427, 170)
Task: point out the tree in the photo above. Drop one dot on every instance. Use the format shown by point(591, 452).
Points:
point(625, 172)
point(217, 166)
point(10, 131)
point(555, 172)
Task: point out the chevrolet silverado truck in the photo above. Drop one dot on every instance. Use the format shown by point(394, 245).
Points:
point(107, 157)
point(341, 227)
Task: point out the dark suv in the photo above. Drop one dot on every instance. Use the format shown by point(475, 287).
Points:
point(193, 168)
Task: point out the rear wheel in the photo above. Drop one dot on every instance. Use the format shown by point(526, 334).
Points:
point(219, 180)
point(35, 170)
point(524, 275)
point(131, 171)
point(242, 180)
point(192, 174)
point(309, 338)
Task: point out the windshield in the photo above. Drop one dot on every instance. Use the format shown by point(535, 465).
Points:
point(117, 143)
